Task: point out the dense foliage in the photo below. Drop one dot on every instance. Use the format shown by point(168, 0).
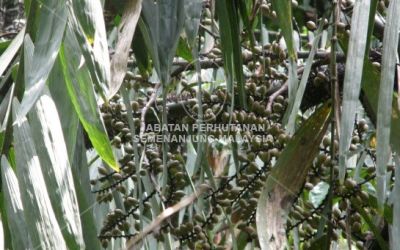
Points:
point(190, 124)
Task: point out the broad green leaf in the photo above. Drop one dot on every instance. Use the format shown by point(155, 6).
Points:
point(164, 21)
point(12, 49)
point(294, 106)
point(389, 59)
point(286, 179)
point(40, 219)
point(82, 95)
point(85, 12)
point(126, 30)
point(87, 22)
point(228, 18)
point(318, 193)
point(69, 118)
point(14, 208)
point(49, 140)
point(352, 79)
point(37, 66)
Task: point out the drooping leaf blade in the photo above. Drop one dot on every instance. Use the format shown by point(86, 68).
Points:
point(12, 49)
point(370, 88)
point(389, 59)
point(294, 106)
point(82, 95)
point(52, 152)
point(40, 219)
point(80, 172)
point(141, 50)
point(87, 21)
point(14, 208)
point(69, 118)
point(352, 79)
point(126, 30)
point(286, 179)
point(38, 63)
point(164, 21)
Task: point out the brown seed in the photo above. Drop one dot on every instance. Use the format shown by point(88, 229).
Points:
point(309, 186)
point(273, 14)
point(341, 26)
point(135, 106)
point(311, 25)
point(350, 184)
